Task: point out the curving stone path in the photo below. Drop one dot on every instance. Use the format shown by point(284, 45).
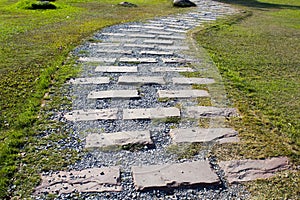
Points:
point(132, 104)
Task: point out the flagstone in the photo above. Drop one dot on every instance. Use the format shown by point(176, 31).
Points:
point(115, 51)
point(141, 80)
point(209, 111)
point(114, 34)
point(173, 175)
point(91, 114)
point(189, 81)
point(149, 46)
point(175, 30)
point(97, 59)
point(159, 32)
point(172, 69)
point(171, 37)
point(101, 140)
point(137, 60)
point(87, 180)
point(172, 47)
point(141, 35)
point(151, 113)
point(174, 60)
point(182, 93)
point(162, 53)
point(165, 42)
point(90, 80)
point(154, 27)
point(120, 94)
point(116, 69)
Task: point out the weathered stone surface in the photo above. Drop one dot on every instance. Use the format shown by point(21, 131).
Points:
point(115, 51)
point(209, 111)
point(162, 53)
point(171, 37)
point(151, 113)
point(248, 170)
point(175, 60)
point(105, 45)
point(148, 46)
point(114, 34)
point(141, 80)
point(173, 175)
point(172, 69)
point(97, 59)
point(175, 30)
point(91, 80)
point(192, 135)
point(228, 140)
point(159, 32)
point(173, 47)
point(141, 35)
point(130, 29)
point(154, 27)
point(118, 139)
point(137, 60)
point(189, 81)
point(87, 180)
point(183, 3)
point(116, 69)
point(182, 93)
point(178, 26)
point(89, 114)
point(120, 94)
point(165, 42)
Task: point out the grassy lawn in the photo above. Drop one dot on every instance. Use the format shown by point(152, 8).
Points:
point(257, 54)
point(34, 47)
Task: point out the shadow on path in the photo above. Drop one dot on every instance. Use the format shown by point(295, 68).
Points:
point(259, 5)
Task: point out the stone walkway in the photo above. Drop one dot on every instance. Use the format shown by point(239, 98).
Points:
point(132, 103)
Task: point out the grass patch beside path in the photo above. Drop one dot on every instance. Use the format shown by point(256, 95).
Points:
point(257, 53)
point(34, 45)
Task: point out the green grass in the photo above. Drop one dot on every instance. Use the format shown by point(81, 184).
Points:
point(34, 47)
point(257, 54)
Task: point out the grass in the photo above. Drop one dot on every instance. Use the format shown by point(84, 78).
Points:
point(34, 51)
point(257, 54)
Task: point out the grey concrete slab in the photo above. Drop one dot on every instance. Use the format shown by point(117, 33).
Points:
point(103, 140)
point(87, 180)
point(151, 113)
point(159, 32)
point(97, 59)
point(173, 175)
point(114, 34)
point(154, 27)
point(175, 30)
point(156, 41)
point(114, 51)
point(196, 135)
point(148, 46)
point(189, 81)
point(161, 53)
point(116, 69)
point(175, 60)
point(209, 111)
point(141, 35)
point(172, 69)
point(116, 94)
point(137, 60)
point(137, 80)
point(182, 93)
point(90, 80)
point(171, 37)
point(91, 114)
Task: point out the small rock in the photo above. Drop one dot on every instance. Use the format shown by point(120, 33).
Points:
point(183, 3)
point(127, 4)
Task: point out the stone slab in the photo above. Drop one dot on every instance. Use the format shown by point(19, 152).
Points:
point(137, 60)
point(141, 35)
point(175, 60)
point(248, 170)
point(159, 32)
point(114, 34)
point(209, 111)
point(172, 69)
point(130, 29)
point(175, 30)
point(148, 46)
point(97, 59)
point(154, 27)
point(88, 180)
point(173, 175)
point(151, 113)
point(165, 42)
point(162, 53)
point(173, 47)
point(90, 80)
point(119, 94)
point(116, 69)
point(91, 114)
point(178, 26)
point(182, 93)
point(189, 81)
point(118, 139)
point(106, 45)
point(194, 135)
point(171, 37)
point(114, 51)
point(141, 80)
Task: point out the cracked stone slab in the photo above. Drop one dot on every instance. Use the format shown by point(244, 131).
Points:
point(174, 175)
point(116, 69)
point(91, 80)
point(189, 81)
point(119, 94)
point(151, 113)
point(97, 59)
point(137, 60)
point(91, 114)
point(209, 111)
point(194, 135)
point(182, 93)
point(162, 53)
point(172, 69)
point(248, 170)
point(105, 179)
point(141, 80)
point(164, 42)
point(118, 139)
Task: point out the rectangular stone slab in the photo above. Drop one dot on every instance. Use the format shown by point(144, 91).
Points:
point(117, 139)
point(172, 47)
point(151, 113)
point(91, 80)
point(175, 30)
point(165, 42)
point(114, 34)
point(173, 175)
point(106, 45)
point(248, 170)
point(153, 27)
point(117, 69)
point(137, 60)
point(193, 135)
point(182, 93)
point(141, 80)
point(171, 37)
point(141, 35)
point(189, 81)
point(97, 59)
point(172, 69)
point(209, 111)
point(87, 180)
point(89, 114)
point(162, 53)
point(114, 51)
point(160, 32)
point(149, 46)
point(119, 94)
point(175, 60)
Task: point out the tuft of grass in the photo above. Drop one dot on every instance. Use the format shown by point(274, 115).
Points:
point(185, 151)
